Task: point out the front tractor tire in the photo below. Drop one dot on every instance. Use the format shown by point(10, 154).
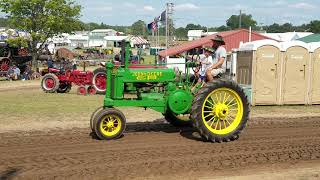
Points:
point(50, 83)
point(109, 123)
point(64, 87)
point(220, 111)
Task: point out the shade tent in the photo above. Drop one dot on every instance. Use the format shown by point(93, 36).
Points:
point(315, 73)
point(139, 41)
point(115, 38)
point(295, 72)
point(258, 67)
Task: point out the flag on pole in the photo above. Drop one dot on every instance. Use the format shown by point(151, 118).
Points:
point(163, 16)
point(154, 26)
point(150, 26)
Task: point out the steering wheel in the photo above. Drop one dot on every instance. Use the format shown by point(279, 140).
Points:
point(195, 57)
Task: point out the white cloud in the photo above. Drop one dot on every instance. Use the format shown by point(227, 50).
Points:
point(129, 5)
point(100, 9)
point(302, 5)
point(280, 2)
point(148, 8)
point(186, 6)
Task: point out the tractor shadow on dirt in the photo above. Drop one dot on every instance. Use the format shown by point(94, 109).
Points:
point(10, 173)
point(160, 125)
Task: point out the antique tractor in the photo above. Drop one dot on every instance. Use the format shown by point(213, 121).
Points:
point(61, 80)
point(219, 110)
point(12, 55)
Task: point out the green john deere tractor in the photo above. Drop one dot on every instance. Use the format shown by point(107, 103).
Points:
point(218, 110)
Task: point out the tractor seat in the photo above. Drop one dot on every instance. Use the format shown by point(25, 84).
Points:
point(54, 70)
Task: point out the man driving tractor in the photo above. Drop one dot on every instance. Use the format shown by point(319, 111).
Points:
point(219, 67)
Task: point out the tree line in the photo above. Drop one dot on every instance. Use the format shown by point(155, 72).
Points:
point(139, 27)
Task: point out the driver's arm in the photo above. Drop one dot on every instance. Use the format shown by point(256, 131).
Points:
point(218, 64)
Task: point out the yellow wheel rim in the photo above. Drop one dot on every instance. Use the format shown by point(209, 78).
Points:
point(110, 125)
point(222, 111)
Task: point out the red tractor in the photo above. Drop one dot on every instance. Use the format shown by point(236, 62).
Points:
point(60, 80)
point(61, 77)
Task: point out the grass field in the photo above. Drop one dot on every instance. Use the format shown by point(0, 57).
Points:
point(24, 106)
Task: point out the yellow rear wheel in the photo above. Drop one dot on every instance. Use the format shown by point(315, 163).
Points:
point(220, 111)
point(109, 123)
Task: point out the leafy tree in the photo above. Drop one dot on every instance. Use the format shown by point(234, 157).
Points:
point(42, 19)
point(181, 33)
point(314, 26)
point(246, 21)
point(4, 22)
point(139, 28)
point(274, 28)
point(287, 27)
point(18, 42)
point(223, 28)
point(195, 27)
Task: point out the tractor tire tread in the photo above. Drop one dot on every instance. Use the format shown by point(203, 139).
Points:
point(196, 111)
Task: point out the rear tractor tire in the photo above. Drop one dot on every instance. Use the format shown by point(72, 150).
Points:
point(109, 123)
point(220, 111)
point(50, 83)
point(99, 80)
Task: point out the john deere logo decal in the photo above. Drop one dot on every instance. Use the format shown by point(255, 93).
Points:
point(147, 75)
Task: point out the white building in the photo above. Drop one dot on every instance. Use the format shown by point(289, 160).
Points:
point(194, 34)
point(103, 32)
point(197, 34)
point(78, 40)
point(288, 36)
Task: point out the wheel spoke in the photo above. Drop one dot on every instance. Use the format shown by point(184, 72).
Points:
point(217, 98)
point(210, 102)
point(224, 122)
point(227, 121)
point(226, 99)
point(210, 114)
point(213, 100)
point(208, 107)
point(207, 111)
point(217, 123)
point(233, 104)
point(212, 123)
point(231, 101)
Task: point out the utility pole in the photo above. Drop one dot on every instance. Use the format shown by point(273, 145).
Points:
point(169, 12)
point(240, 19)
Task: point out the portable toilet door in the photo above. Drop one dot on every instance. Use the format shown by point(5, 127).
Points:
point(315, 74)
point(266, 71)
point(294, 86)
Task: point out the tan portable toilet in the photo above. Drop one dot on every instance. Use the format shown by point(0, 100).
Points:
point(314, 81)
point(263, 57)
point(295, 72)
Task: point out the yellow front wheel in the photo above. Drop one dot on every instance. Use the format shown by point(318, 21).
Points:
point(220, 111)
point(109, 123)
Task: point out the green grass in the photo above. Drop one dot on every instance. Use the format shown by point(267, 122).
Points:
point(21, 106)
point(149, 59)
point(30, 102)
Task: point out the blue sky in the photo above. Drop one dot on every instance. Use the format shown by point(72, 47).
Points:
point(205, 12)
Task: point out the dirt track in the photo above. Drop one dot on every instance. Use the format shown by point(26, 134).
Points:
point(157, 151)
